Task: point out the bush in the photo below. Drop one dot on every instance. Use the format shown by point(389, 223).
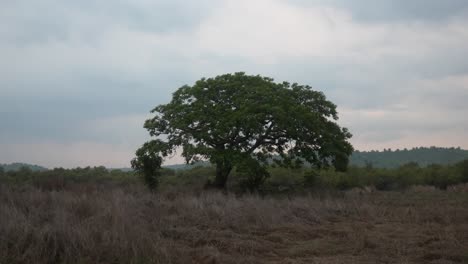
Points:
point(409, 174)
point(386, 182)
point(195, 178)
point(284, 180)
point(312, 179)
point(462, 168)
point(252, 175)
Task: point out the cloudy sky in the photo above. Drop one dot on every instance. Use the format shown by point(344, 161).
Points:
point(78, 78)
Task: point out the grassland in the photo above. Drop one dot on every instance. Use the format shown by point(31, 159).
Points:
point(110, 224)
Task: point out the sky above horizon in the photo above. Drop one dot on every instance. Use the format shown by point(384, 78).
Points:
point(78, 78)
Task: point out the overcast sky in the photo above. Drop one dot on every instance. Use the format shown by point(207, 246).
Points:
point(78, 78)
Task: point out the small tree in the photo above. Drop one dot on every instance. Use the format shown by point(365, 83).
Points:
point(236, 119)
point(148, 163)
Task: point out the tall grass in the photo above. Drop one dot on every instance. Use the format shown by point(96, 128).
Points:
point(86, 223)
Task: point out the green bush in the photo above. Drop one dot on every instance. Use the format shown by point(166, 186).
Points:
point(196, 177)
point(435, 175)
point(462, 168)
point(386, 182)
point(312, 179)
point(251, 175)
point(408, 175)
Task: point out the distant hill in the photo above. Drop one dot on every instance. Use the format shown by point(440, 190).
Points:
point(16, 166)
point(395, 158)
point(379, 159)
point(388, 158)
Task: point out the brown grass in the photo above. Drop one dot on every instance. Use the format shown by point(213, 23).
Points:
point(130, 225)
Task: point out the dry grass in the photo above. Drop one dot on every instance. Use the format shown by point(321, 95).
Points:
point(130, 225)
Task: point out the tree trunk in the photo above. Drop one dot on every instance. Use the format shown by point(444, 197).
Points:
point(223, 169)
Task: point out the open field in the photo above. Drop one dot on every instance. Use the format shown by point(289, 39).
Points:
point(90, 224)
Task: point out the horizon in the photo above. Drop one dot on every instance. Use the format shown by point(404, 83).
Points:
point(76, 93)
point(176, 162)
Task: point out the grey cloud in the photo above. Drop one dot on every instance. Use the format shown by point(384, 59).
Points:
point(57, 91)
point(392, 10)
point(25, 22)
point(59, 117)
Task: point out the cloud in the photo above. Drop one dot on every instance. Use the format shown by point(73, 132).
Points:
point(331, 50)
point(429, 113)
point(271, 31)
point(394, 10)
point(124, 130)
point(84, 75)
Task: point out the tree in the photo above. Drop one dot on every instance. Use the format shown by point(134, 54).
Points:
point(238, 119)
point(148, 163)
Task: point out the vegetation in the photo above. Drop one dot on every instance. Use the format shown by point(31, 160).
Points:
point(246, 122)
point(305, 180)
point(60, 179)
point(387, 158)
point(148, 164)
point(300, 215)
point(396, 158)
point(280, 180)
point(16, 166)
point(128, 224)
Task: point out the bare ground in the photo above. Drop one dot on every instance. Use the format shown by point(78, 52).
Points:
point(87, 224)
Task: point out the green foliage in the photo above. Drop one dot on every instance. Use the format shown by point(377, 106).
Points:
point(291, 180)
point(312, 179)
point(462, 168)
point(409, 174)
point(280, 180)
point(441, 176)
point(388, 158)
point(234, 118)
point(148, 163)
point(17, 166)
point(252, 174)
point(194, 178)
point(59, 178)
point(385, 181)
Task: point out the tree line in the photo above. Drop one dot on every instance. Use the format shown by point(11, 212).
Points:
point(280, 180)
point(424, 156)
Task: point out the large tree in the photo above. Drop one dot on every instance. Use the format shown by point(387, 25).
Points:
point(243, 121)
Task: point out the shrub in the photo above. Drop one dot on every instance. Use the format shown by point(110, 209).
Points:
point(438, 176)
point(462, 168)
point(312, 178)
point(252, 175)
point(409, 174)
point(386, 182)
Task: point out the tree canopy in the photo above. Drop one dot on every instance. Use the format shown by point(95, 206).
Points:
point(243, 121)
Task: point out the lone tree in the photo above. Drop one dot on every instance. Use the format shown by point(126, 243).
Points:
point(243, 121)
